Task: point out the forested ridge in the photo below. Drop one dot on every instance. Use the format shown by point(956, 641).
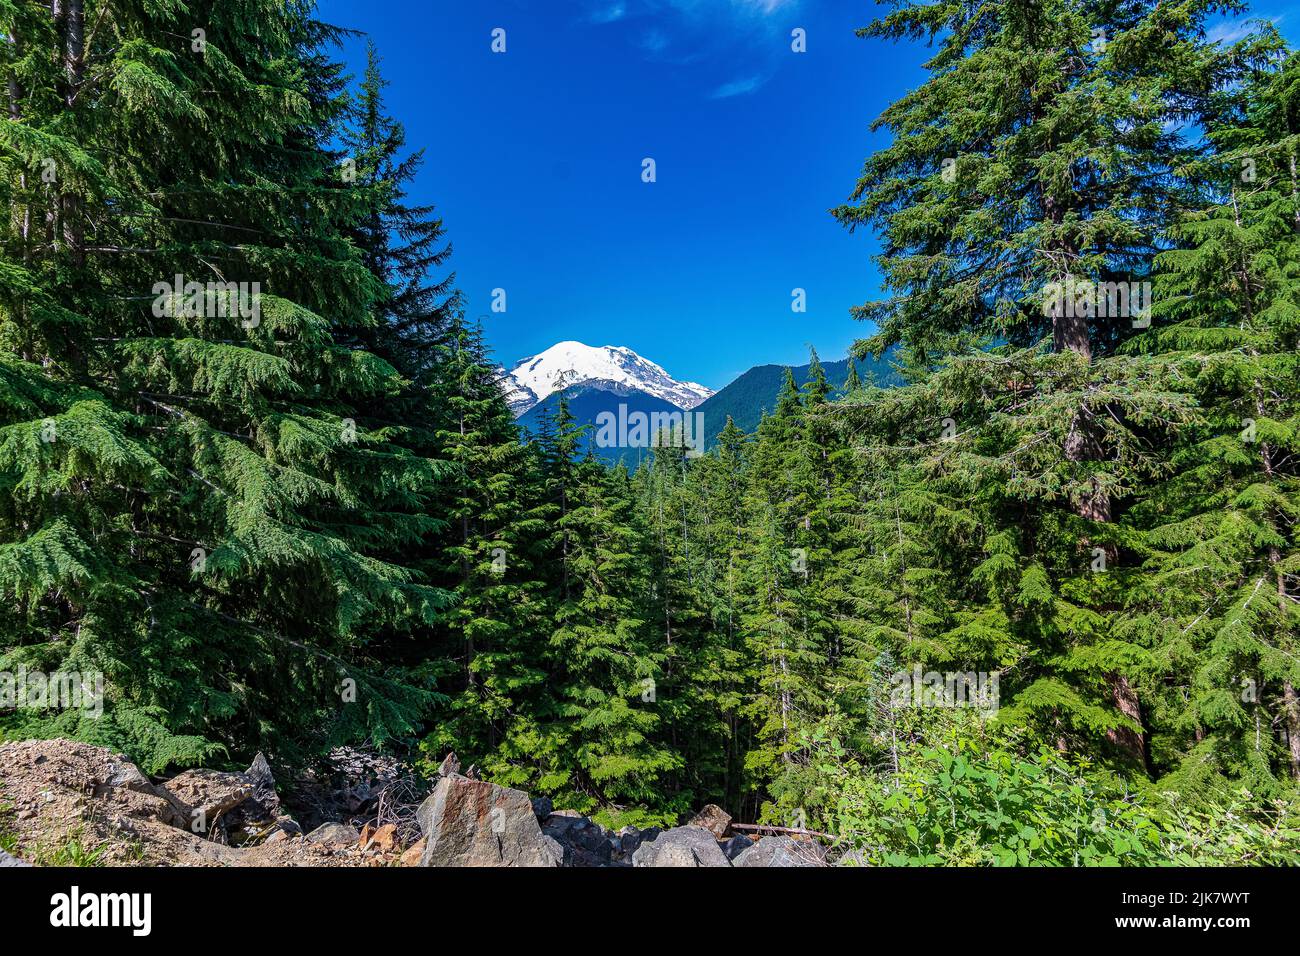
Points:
point(299, 514)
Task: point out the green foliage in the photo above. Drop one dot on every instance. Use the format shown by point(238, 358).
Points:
point(206, 504)
point(965, 796)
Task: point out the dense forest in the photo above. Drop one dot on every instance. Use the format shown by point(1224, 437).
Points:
point(257, 469)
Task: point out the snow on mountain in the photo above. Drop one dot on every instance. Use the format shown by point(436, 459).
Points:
point(572, 363)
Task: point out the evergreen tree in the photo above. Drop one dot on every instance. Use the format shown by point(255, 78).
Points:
point(693, 666)
point(783, 621)
point(1043, 155)
point(401, 244)
point(1221, 528)
point(722, 680)
point(561, 688)
point(606, 669)
point(185, 480)
point(493, 662)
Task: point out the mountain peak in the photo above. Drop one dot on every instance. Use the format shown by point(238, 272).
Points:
point(532, 379)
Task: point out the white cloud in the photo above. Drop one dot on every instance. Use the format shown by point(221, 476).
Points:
point(609, 13)
point(733, 47)
point(688, 11)
point(765, 7)
point(654, 41)
point(738, 87)
point(1230, 31)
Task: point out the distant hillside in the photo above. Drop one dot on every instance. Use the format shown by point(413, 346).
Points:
point(588, 400)
point(745, 400)
point(751, 394)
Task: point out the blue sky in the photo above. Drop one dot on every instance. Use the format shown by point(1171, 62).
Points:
point(534, 159)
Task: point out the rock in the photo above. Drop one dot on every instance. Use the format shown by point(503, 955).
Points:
point(542, 807)
point(563, 820)
point(209, 795)
point(334, 834)
point(288, 825)
point(681, 846)
point(124, 777)
point(582, 842)
point(450, 764)
point(714, 819)
point(554, 849)
point(383, 839)
point(476, 823)
point(735, 846)
point(411, 857)
point(6, 860)
point(782, 851)
point(628, 839)
point(241, 804)
point(259, 778)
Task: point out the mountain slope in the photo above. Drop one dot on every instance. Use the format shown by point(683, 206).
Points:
point(754, 392)
point(587, 401)
point(533, 379)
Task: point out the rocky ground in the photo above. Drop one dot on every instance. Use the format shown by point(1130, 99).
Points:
point(67, 803)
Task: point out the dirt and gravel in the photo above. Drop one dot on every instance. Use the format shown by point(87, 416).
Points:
point(63, 802)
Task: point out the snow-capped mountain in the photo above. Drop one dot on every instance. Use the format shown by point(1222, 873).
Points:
point(572, 363)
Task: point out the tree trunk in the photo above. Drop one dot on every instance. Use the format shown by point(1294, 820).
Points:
point(70, 15)
point(1126, 701)
point(15, 91)
point(74, 52)
point(1070, 332)
point(1290, 703)
point(1291, 706)
point(1081, 444)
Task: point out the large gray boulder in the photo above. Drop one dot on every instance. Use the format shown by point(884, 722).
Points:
point(259, 777)
point(583, 842)
point(335, 834)
point(230, 801)
point(625, 842)
point(7, 860)
point(209, 794)
point(735, 846)
point(475, 823)
point(681, 846)
point(781, 851)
